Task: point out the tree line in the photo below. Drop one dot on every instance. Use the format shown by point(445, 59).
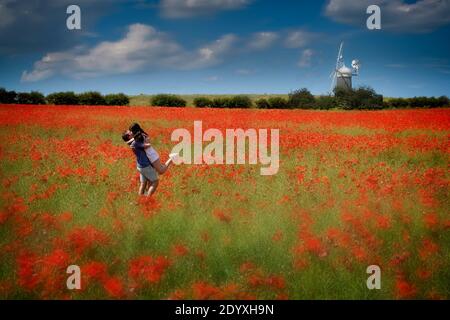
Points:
point(91, 98)
point(362, 98)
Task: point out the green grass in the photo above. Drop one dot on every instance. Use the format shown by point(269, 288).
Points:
point(188, 199)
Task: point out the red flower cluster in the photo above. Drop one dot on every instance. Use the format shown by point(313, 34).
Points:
point(354, 189)
point(85, 238)
point(148, 269)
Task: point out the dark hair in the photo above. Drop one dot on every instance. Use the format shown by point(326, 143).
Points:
point(139, 137)
point(136, 128)
point(126, 136)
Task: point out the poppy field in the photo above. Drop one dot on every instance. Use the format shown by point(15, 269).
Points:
point(354, 189)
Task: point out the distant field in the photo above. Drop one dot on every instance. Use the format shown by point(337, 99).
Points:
point(144, 99)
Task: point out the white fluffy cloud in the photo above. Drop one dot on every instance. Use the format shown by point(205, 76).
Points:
point(142, 48)
point(211, 54)
point(262, 40)
point(190, 8)
point(292, 39)
point(396, 15)
point(49, 65)
point(305, 58)
point(299, 38)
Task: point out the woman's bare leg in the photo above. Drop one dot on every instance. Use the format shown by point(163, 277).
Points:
point(161, 168)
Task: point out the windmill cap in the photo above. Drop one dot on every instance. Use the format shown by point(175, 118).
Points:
point(345, 71)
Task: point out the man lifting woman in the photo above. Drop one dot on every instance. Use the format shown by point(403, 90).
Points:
point(147, 159)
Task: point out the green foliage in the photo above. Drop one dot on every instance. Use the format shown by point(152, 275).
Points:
point(427, 102)
point(91, 98)
point(117, 99)
point(32, 97)
point(397, 103)
point(278, 103)
point(418, 102)
point(63, 98)
point(443, 101)
point(358, 99)
point(262, 104)
point(7, 96)
point(363, 98)
point(202, 102)
point(220, 102)
point(239, 102)
point(368, 98)
point(302, 99)
point(326, 103)
point(167, 100)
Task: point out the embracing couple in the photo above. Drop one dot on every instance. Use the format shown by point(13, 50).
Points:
point(147, 159)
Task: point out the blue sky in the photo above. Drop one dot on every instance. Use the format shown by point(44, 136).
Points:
point(223, 46)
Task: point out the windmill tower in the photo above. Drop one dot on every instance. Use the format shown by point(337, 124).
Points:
point(342, 75)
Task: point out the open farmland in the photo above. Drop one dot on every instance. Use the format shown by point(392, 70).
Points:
point(353, 189)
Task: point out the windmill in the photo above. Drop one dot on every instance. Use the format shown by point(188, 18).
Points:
point(341, 77)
